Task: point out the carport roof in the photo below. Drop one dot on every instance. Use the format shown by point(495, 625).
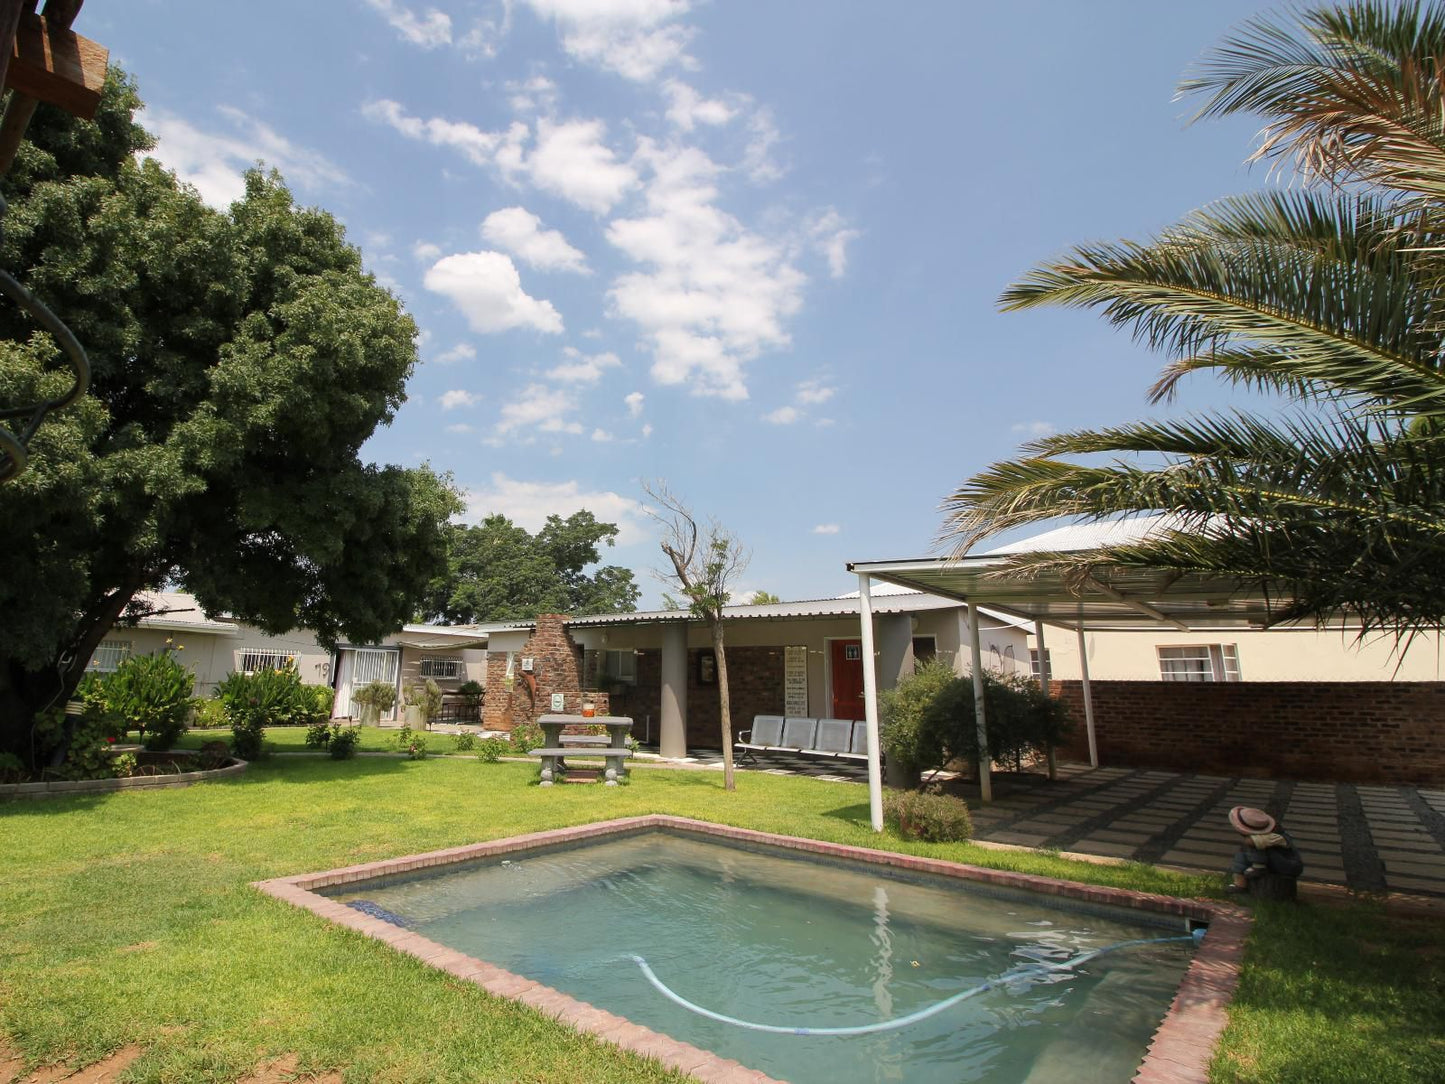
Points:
point(1112, 598)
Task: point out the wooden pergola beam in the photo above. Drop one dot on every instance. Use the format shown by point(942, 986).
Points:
point(52, 63)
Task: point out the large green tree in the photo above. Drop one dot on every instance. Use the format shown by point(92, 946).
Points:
point(1325, 295)
point(240, 360)
point(497, 571)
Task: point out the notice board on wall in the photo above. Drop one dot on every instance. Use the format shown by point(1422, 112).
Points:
point(795, 681)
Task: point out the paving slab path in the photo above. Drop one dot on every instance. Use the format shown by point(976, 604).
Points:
point(1365, 838)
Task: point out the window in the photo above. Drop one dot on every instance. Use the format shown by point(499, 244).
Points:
point(1199, 662)
point(441, 666)
point(1034, 662)
point(262, 658)
point(924, 648)
point(618, 667)
point(109, 654)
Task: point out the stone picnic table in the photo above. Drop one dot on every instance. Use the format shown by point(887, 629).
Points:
point(555, 745)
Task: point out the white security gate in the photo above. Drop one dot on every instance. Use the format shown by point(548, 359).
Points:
point(361, 666)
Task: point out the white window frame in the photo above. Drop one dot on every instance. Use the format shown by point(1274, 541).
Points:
point(1034, 662)
point(445, 667)
point(1198, 662)
point(109, 654)
point(265, 658)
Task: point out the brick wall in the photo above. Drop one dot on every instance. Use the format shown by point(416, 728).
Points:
point(755, 685)
point(1357, 732)
point(557, 668)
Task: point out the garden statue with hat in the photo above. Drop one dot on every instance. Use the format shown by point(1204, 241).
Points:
point(1267, 849)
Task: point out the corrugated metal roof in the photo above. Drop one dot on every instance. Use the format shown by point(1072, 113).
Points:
point(181, 612)
point(1087, 536)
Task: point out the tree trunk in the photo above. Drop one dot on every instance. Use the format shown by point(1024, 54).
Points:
point(25, 693)
point(724, 705)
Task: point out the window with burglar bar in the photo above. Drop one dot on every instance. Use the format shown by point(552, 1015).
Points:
point(255, 658)
point(109, 654)
point(441, 666)
point(1199, 662)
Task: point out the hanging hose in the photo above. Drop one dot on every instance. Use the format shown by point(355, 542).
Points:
point(921, 1014)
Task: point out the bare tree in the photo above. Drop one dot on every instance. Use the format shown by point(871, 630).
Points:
point(706, 560)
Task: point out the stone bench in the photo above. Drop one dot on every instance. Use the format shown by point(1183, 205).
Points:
point(552, 756)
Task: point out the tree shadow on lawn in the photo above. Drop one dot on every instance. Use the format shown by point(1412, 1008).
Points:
point(857, 814)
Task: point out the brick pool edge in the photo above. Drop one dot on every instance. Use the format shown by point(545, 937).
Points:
point(1179, 1052)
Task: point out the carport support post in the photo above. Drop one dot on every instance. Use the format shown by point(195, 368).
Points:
point(1088, 699)
point(870, 703)
point(672, 724)
point(985, 766)
point(1044, 677)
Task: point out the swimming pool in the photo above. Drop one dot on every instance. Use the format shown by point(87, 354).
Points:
point(731, 942)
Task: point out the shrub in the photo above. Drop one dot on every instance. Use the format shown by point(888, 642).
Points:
point(933, 818)
point(208, 715)
point(526, 737)
point(472, 694)
point(152, 693)
point(315, 703)
point(466, 741)
point(929, 718)
point(491, 750)
point(266, 698)
point(411, 743)
point(318, 736)
point(343, 741)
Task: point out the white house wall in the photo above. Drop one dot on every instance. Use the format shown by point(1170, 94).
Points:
point(1274, 655)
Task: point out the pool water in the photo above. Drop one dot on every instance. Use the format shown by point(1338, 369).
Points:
point(775, 938)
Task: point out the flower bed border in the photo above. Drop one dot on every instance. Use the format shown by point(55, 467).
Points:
point(56, 788)
point(1178, 1054)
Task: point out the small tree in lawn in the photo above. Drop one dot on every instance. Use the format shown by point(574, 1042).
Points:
point(705, 560)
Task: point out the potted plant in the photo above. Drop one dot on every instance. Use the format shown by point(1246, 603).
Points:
point(374, 699)
point(423, 703)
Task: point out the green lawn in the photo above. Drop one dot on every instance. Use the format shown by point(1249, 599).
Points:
point(292, 739)
point(129, 918)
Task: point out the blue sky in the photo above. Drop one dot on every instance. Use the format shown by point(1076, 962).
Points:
point(753, 249)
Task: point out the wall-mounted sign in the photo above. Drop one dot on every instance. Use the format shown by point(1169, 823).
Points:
point(527, 664)
point(559, 702)
point(795, 681)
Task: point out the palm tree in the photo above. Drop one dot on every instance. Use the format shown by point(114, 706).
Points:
point(1327, 296)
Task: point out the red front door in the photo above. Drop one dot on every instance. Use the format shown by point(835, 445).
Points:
point(846, 657)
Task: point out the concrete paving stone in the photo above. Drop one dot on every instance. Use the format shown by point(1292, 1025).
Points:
point(1021, 839)
point(1424, 846)
point(1136, 838)
point(1434, 869)
point(1061, 820)
point(1093, 845)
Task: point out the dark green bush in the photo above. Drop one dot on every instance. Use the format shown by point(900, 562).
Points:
point(929, 718)
point(933, 818)
point(318, 736)
point(343, 741)
point(466, 741)
point(472, 694)
point(265, 698)
point(491, 750)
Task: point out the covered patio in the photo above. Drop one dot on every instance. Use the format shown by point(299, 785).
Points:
point(1109, 598)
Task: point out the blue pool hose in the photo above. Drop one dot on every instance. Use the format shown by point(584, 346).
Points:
point(921, 1014)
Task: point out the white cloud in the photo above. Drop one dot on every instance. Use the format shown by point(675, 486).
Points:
point(1032, 429)
point(528, 504)
point(460, 429)
point(714, 294)
point(688, 108)
point(782, 416)
point(634, 403)
point(215, 162)
point(602, 436)
point(527, 95)
point(539, 409)
point(582, 369)
point(763, 136)
point(518, 231)
point(429, 30)
point(485, 286)
point(826, 528)
point(831, 236)
point(455, 398)
point(425, 251)
point(813, 392)
point(479, 146)
point(637, 39)
point(460, 352)
point(646, 431)
point(572, 161)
